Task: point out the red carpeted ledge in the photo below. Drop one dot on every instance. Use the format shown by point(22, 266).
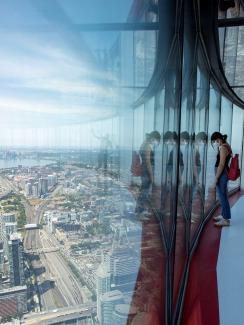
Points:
point(201, 301)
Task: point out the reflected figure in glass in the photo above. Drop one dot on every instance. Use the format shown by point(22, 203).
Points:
point(199, 143)
point(169, 175)
point(105, 147)
point(147, 166)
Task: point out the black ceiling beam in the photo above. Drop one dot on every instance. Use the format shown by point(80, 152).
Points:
point(231, 22)
point(82, 27)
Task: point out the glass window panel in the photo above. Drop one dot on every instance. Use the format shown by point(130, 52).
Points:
point(236, 138)
point(73, 12)
point(213, 126)
point(226, 117)
point(239, 78)
point(159, 123)
point(149, 116)
point(68, 135)
point(144, 56)
point(96, 11)
point(138, 127)
point(221, 41)
point(197, 163)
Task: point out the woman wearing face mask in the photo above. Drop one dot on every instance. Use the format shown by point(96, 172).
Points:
point(147, 163)
point(218, 141)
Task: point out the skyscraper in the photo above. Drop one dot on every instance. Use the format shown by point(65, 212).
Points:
point(124, 265)
point(10, 228)
point(124, 261)
point(43, 186)
point(103, 285)
point(15, 256)
point(123, 314)
point(108, 302)
point(3, 235)
point(52, 179)
point(35, 189)
point(28, 189)
point(1, 257)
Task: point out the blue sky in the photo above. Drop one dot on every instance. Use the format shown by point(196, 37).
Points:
point(51, 80)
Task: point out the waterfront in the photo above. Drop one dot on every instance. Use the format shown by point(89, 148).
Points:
point(4, 163)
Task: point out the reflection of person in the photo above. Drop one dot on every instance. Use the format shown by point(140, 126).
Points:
point(170, 175)
point(218, 141)
point(105, 145)
point(147, 165)
point(184, 146)
point(171, 139)
point(197, 199)
point(201, 138)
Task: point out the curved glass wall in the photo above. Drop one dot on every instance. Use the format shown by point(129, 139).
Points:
point(83, 85)
point(231, 44)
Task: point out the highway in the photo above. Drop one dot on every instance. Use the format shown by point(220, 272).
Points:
point(45, 317)
point(51, 266)
point(48, 266)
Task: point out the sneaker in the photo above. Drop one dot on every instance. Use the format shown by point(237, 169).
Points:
point(144, 216)
point(195, 217)
point(218, 218)
point(222, 223)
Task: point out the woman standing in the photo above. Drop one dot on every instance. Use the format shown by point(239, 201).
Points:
point(218, 141)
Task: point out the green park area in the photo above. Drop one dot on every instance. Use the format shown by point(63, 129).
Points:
point(12, 203)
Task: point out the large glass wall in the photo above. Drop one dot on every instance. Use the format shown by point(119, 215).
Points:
point(231, 44)
point(106, 180)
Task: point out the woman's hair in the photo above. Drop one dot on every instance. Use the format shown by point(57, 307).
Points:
point(185, 136)
point(154, 135)
point(169, 135)
point(201, 136)
point(218, 136)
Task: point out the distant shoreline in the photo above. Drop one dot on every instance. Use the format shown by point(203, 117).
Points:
point(13, 163)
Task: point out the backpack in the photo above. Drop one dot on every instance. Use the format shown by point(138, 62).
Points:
point(136, 167)
point(234, 170)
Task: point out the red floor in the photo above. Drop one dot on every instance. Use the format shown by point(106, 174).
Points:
point(201, 301)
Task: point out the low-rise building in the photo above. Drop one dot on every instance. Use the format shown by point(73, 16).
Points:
point(13, 301)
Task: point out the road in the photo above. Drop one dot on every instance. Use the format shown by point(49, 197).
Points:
point(44, 317)
point(66, 291)
point(48, 266)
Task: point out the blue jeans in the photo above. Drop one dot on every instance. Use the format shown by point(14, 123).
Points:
point(144, 192)
point(222, 194)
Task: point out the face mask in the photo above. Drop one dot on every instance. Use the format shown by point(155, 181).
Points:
point(155, 143)
point(216, 146)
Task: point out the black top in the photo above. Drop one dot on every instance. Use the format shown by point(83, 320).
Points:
point(228, 157)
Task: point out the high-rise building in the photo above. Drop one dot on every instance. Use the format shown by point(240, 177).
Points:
point(43, 186)
point(15, 257)
point(108, 301)
point(8, 217)
point(10, 228)
point(28, 189)
point(123, 260)
point(3, 235)
point(52, 180)
point(124, 265)
point(1, 257)
point(103, 285)
point(123, 314)
point(35, 189)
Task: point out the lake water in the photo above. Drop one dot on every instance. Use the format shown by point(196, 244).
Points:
point(24, 162)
